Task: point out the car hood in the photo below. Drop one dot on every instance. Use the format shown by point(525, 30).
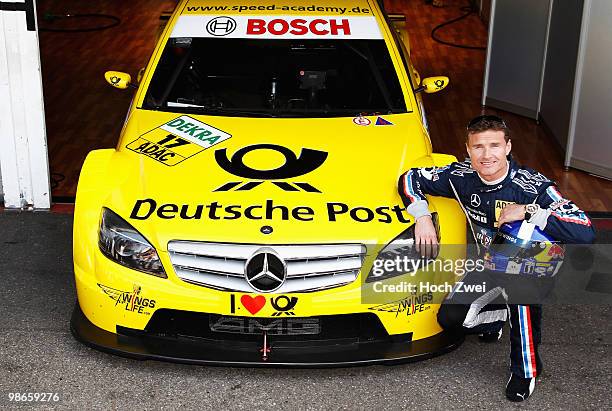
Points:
point(326, 180)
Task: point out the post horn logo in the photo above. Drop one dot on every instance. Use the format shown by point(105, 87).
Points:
point(294, 166)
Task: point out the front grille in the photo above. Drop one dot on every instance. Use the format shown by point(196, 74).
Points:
point(177, 324)
point(309, 267)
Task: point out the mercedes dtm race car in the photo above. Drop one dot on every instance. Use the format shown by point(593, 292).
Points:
point(254, 189)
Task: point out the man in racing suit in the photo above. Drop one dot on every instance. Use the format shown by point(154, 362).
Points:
point(493, 189)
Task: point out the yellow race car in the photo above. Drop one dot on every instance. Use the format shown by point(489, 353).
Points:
point(253, 192)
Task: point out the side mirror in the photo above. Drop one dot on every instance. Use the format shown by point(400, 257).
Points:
point(432, 84)
point(140, 75)
point(118, 79)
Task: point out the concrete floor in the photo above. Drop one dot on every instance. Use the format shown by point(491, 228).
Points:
point(38, 354)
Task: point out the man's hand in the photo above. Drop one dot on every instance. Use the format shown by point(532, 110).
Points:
point(425, 237)
point(510, 213)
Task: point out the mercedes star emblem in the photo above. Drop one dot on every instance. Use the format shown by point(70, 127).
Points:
point(265, 271)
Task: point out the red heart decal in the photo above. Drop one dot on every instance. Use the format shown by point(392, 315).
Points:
point(253, 304)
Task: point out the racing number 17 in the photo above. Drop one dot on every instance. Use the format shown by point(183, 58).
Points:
point(178, 141)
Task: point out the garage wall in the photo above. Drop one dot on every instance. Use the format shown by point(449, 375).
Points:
point(515, 56)
point(23, 142)
point(560, 72)
point(589, 146)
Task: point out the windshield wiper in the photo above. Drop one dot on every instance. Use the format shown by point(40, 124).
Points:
point(204, 110)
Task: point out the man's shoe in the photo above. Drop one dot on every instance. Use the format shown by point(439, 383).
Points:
point(490, 337)
point(518, 388)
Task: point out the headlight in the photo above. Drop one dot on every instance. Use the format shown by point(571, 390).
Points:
point(400, 256)
point(120, 242)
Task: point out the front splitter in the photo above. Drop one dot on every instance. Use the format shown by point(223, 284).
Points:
point(210, 352)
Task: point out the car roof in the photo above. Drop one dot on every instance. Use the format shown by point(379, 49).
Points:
point(302, 19)
point(274, 19)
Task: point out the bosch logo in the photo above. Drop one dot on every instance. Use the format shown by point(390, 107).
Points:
point(221, 26)
point(299, 27)
point(265, 271)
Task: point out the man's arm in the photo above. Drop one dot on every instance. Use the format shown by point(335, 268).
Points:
point(416, 182)
point(558, 217)
point(412, 187)
point(562, 219)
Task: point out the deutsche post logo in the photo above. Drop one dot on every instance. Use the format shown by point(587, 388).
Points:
point(294, 166)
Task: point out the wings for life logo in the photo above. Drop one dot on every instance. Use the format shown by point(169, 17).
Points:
point(410, 306)
point(294, 166)
point(132, 301)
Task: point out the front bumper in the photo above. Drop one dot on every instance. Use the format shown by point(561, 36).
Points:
point(206, 351)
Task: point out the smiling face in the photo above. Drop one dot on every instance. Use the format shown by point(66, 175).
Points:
point(488, 150)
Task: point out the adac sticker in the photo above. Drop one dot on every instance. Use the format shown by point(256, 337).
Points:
point(362, 121)
point(177, 140)
point(499, 206)
point(382, 122)
point(282, 304)
point(133, 301)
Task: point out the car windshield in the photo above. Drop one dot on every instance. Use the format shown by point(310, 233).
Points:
point(275, 78)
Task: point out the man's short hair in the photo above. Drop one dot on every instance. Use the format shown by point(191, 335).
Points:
point(487, 122)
